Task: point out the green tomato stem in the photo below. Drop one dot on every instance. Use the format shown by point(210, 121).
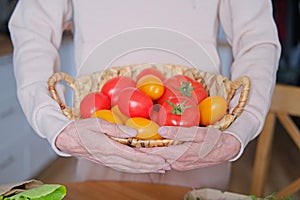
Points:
point(178, 109)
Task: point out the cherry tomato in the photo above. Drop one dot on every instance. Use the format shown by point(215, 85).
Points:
point(181, 85)
point(107, 115)
point(179, 111)
point(151, 85)
point(116, 111)
point(134, 103)
point(93, 102)
point(154, 112)
point(168, 93)
point(113, 86)
point(151, 71)
point(212, 109)
point(147, 129)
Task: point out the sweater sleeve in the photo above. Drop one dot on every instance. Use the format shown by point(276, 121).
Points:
point(36, 28)
point(252, 33)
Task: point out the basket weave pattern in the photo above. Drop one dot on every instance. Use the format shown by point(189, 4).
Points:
point(215, 84)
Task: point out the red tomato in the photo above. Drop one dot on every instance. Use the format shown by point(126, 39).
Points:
point(212, 109)
point(113, 87)
point(181, 85)
point(151, 85)
point(179, 111)
point(134, 103)
point(168, 93)
point(151, 71)
point(154, 112)
point(93, 102)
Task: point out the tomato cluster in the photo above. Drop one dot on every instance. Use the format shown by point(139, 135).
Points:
point(152, 100)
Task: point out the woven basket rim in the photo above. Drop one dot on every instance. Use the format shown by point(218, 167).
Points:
point(91, 82)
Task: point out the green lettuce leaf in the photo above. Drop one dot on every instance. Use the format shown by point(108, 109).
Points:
point(43, 192)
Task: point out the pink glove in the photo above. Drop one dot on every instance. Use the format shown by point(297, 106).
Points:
point(87, 138)
point(202, 147)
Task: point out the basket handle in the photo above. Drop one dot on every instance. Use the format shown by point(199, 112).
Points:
point(244, 82)
point(52, 81)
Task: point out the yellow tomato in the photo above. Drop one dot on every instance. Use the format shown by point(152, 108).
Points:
point(147, 129)
point(116, 111)
point(151, 85)
point(107, 115)
point(212, 109)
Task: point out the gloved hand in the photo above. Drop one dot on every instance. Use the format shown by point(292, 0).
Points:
point(87, 138)
point(202, 147)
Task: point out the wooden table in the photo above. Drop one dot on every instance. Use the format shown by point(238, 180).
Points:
point(123, 190)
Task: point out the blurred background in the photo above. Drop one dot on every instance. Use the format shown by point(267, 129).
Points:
point(23, 155)
point(286, 14)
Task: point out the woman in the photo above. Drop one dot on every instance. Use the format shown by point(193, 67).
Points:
point(36, 28)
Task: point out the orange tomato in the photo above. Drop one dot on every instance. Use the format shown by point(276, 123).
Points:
point(151, 85)
point(107, 115)
point(147, 129)
point(152, 71)
point(116, 111)
point(212, 109)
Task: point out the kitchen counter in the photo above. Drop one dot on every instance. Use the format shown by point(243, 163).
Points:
point(123, 190)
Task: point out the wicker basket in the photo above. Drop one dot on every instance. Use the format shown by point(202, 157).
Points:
point(215, 84)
